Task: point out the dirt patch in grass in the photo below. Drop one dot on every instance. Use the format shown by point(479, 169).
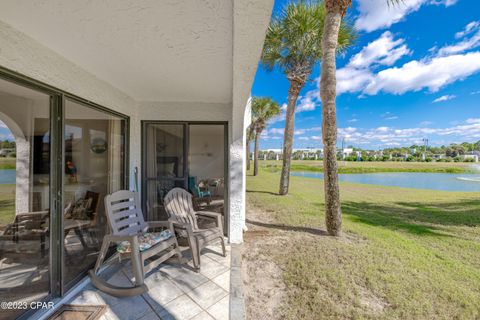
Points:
point(268, 249)
point(264, 288)
point(372, 302)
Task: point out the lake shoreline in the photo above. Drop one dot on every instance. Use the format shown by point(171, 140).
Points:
point(375, 167)
point(449, 182)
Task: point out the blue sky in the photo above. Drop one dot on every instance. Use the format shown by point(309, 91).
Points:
point(413, 73)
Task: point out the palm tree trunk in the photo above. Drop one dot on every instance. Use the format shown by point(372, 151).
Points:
point(333, 214)
point(248, 155)
point(255, 153)
point(293, 93)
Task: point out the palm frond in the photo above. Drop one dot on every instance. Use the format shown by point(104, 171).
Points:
point(263, 110)
point(294, 38)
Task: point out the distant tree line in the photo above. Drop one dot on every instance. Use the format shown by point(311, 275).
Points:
point(6, 144)
point(7, 148)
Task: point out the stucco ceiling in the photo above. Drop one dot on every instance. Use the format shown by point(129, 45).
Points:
point(168, 50)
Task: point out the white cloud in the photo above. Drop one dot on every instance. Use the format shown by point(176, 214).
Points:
point(357, 73)
point(441, 67)
point(3, 125)
point(467, 43)
point(378, 14)
point(433, 74)
point(468, 29)
point(388, 136)
point(352, 80)
point(385, 51)
point(352, 120)
point(275, 131)
point(282, 116)
point(391, 118)
point(426, 123)
point(444, 98)
point(466, 130)
point(383, 129)
point(473, 120)
point(475, 92)
point(309, 101)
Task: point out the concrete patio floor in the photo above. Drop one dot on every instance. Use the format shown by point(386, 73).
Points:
point(175, 290)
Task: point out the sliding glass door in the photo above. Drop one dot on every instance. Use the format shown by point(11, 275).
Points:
point(59, 157)
point(165, 164)
point(94, 167)
point(189, 155)
point(24, 196)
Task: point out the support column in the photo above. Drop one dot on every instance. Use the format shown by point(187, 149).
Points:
point(237, 172)
point(250, 22)
point(22, 187)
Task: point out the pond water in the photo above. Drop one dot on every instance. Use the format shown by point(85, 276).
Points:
point(417, 180)
point(7, 176)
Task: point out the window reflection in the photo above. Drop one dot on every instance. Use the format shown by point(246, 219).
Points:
point(94, 167)
point(24, 195)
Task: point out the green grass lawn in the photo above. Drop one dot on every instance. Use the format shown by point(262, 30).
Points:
point(405, 253)
point(7, 163)
point(372, 167)
point(7, 203)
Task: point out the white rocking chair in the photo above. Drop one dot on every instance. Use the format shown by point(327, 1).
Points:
point(127, 226)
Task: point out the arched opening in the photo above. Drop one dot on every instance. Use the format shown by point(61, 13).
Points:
point(7, 169)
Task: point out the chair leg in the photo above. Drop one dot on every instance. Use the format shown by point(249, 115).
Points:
point(137, 264)
point(178, 252)
point(42, 245)
point(101, 255)
point(192, 242)
point(222, 241)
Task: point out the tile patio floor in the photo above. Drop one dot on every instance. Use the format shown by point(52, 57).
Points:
point(175, 291)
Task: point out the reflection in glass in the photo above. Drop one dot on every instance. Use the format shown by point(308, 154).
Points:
point(206, 165)
point(167, 147)
point(164, 166)
point(24, 195)
point(94, 167)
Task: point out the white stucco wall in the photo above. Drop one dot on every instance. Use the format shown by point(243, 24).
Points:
point(249, 18)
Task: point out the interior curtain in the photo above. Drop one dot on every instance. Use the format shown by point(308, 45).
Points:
point(114, 144)
point(151, 174)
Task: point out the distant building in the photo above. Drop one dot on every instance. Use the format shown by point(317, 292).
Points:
point(471, 156)
point(6, 152)
point(307, 153)
point(345, 152)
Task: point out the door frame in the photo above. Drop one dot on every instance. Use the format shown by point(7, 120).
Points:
point(58, 288)
point(186, 123)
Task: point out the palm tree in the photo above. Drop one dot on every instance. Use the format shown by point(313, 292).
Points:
point(332, 37)
point(294, 44)
point(250, 136)
point(263, 109)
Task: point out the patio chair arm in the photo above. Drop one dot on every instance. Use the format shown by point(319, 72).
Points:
point(182, 226)
point(165, 224)
point(117, 237)
point(211, 215)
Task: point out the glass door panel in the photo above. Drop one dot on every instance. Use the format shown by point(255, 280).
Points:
point(24, 196)
point(94, 167)
point(164, 165)
point(206, 164)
